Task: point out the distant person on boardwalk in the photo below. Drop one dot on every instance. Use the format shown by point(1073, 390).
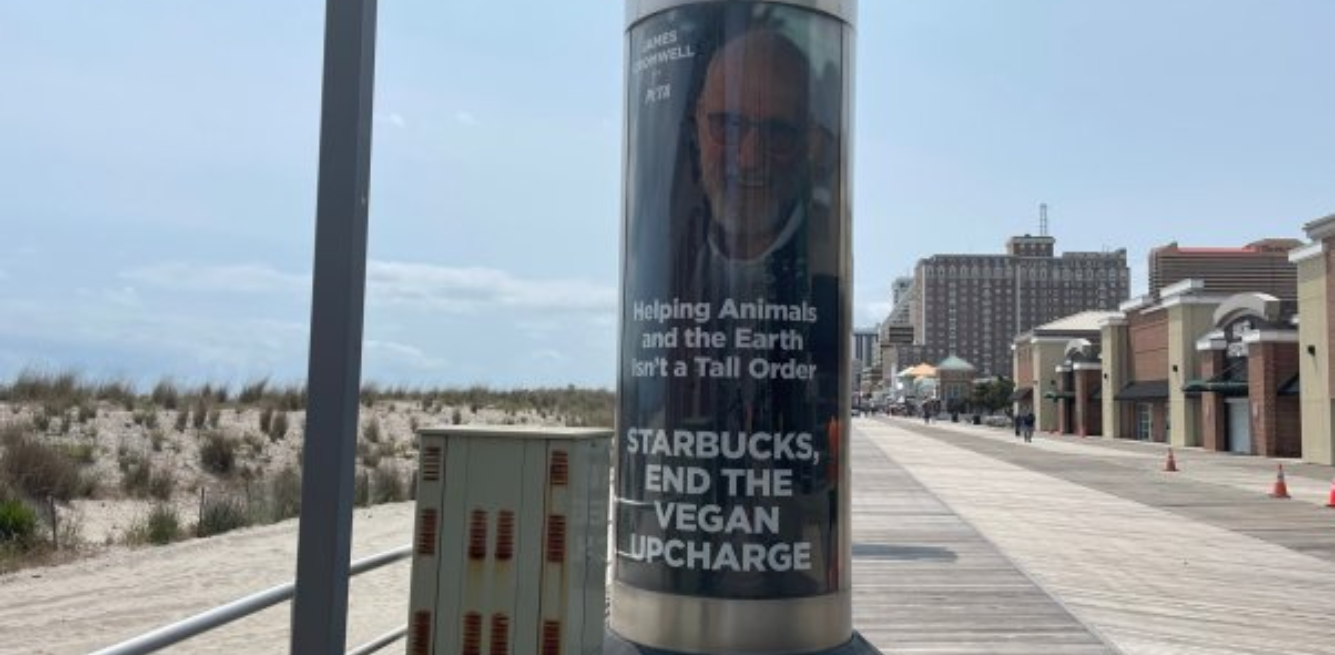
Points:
point(1029, 426)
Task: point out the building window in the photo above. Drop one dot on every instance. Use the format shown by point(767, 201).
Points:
point(1144, 420)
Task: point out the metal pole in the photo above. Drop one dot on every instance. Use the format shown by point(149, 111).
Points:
point(324, 546)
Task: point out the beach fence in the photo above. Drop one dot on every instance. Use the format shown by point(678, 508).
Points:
point(175, 633)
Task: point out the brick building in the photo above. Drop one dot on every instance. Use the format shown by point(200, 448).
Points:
point(1192, 365)
point(1149, 353)
point(973, 305)
point(1261, 266)
point(1245, 395)
point(1056, 374)
point(1195, 368)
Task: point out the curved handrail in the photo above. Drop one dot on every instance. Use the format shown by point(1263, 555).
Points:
point(380, 642)
point(174, 633)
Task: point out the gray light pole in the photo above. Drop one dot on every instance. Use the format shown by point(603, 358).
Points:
point(320, 606)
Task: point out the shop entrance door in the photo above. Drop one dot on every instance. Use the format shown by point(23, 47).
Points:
point(1239, 426)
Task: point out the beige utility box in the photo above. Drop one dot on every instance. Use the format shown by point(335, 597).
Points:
point(510, 541)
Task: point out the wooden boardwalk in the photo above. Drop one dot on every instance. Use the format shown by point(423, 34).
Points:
point(969, 541)
point(926, 582)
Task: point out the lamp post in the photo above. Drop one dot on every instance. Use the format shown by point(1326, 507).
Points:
point(736, 224)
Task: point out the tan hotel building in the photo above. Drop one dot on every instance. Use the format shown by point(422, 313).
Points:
point(971, 306)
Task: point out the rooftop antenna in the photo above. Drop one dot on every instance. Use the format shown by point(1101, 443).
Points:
point(1043, 219)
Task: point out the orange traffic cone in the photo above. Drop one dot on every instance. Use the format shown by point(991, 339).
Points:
point(1171, 464)
point(1281, 488)
point(1331, 502)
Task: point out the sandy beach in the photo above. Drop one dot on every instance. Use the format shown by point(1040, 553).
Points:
point(113, 585)
point(99, 601)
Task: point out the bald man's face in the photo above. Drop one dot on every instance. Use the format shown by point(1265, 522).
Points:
point(751, 124)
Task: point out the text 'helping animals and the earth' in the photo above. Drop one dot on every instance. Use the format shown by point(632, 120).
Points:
point(742, 350)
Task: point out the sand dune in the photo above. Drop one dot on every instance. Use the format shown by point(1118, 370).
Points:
point(96, 602)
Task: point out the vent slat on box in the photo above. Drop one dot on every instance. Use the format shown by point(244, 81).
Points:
point(431, 464)
point(556, 539)
point(559, 474)
point(472, 634)
point(505, 536)
point(500, 635)
point(551, 638)
point(428, 519)
point(421, 635)
point(477, 534)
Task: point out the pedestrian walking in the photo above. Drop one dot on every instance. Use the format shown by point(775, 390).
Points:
point(1028, 427)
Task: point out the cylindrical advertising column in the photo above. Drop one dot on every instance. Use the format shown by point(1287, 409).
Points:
point(731, 488)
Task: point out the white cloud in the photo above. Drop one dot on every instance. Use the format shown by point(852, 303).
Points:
point(470, 290)
point(152, 343)
point(465, 118)
point(872, 313)
point(396, 119)
point(392, 354)
point(125, 297)
point(549, 356)
point(461, 290)
point(235, 278)
point(426, 323)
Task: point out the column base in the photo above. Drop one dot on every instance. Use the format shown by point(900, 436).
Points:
point(613, 644)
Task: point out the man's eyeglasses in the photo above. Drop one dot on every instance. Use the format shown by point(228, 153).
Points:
point(778, 137)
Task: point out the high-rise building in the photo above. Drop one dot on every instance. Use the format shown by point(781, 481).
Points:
point(972, 306)
point(901, 298)
point(866, 360)
point(1261, 266)
point(896, 336)
point(864, 345)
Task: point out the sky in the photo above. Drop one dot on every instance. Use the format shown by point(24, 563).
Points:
point(158, 162)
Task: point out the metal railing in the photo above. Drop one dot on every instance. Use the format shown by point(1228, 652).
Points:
point(172, 634)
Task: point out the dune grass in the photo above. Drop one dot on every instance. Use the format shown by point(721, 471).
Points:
point(171, 439)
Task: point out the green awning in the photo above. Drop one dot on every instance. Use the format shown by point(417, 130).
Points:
point(1147, 390)
point(1228, 387)
point(1231, 381)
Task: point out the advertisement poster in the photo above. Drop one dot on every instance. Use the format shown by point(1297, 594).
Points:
point(733, 380)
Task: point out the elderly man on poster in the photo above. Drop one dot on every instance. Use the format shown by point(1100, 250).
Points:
point(757, 147)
